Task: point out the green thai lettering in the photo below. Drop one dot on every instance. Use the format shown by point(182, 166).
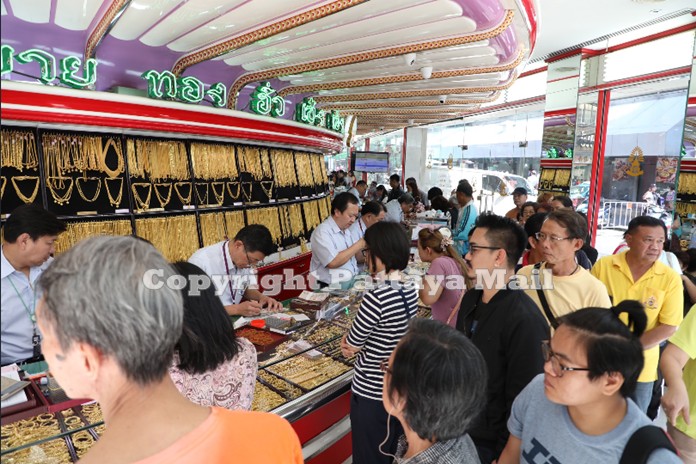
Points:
point(7, 59)
point(156, 82)
point(47, 63)
point(70, 67)
point(189, 89)
point(218, 94)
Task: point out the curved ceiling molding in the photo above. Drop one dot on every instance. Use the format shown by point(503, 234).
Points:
point(245, 79)
point(104, 25)
point(402, 111)
point(292, 22)
point(345, 107)
point(411, 77)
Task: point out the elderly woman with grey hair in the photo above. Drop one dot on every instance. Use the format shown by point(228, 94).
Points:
point(111, 316)
point(435, 384)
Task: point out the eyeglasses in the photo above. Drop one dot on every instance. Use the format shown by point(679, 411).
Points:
point(384, 367)
point(540, 236)
point(253, 262)
point(556, 365)
point(474, 248)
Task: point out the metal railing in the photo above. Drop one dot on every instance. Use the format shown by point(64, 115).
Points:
point(617, 214)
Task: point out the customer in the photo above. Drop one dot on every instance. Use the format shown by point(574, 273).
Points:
point(678, 365)
point(418, 194)
point(29, 234)
point(381, 322)
point(110, 325)
point(527, 210)
point(398, 210)
point(435, 384)
point(443, 284)
point(381, 194)
point(519, 197)
point(561, 202)
point(578, 411)
point(441, 203)
point(503, 322)
point(689, 281)
point(637, 274)
point(434, 192)
point(236, 259)
point(396, 190)
point(466, 217)
point(211, 366)
point(571, 286)
point(371, 213)
point(533, 254)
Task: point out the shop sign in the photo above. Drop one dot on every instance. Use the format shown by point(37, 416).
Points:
point(263, 101)
point(634, 160)
point(72, 72)
point(307, 112)
point(186, 89)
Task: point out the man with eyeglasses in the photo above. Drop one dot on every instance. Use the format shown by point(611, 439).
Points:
point(231, 265)
point(571, 286)
point(503, 323)
point(637, 274)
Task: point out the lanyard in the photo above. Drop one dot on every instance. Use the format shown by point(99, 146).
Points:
point(32, 316)
point(360, 225)
point(227, 268)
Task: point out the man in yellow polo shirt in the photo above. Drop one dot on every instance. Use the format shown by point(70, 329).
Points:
point(638, 275)
point(681, 391)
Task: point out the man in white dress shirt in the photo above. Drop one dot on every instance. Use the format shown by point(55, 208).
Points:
point(359, 191)
point(333, 245)
point(229, 263)
point(397, 209)
point(371, 212)
point(30, 234)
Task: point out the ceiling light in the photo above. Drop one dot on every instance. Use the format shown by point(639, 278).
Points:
point(410, 59)
point(426, 72)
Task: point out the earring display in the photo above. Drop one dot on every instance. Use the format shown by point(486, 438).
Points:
point(34, 190)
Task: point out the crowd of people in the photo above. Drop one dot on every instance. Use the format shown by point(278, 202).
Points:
point(537, 348)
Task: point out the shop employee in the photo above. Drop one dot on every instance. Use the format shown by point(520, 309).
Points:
point(229, 263)
point(334, 246)
point(30, 234)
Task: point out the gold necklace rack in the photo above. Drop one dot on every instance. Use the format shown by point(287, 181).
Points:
point(82, 194)
point(58, 182)
point(19, 150)
point(219, 197)
point(142, 205)
point(115, 202)
point(229, 189)
point(163, 199)
point(184, 199)
point(25, 198)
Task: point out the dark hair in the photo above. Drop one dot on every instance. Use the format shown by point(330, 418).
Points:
point(381, 188)
point(527, 204)
point(441, 203)
point(442, 376)
point(361, 182)
point(406, 198)
point(388, 242)
point(434, 192)
point(395, 177)
point(372, 207)
point(33, 220)
point(256, 237)
point(465, 188)
point(645, 221)
point(574, 223)
point(504, 233)
point(610, 344)
point(533, 224)
point(692, 260)
point(565, 201)
point(208, 338)
point(411, 182)
point(341, 202)
point(429, 238)
point(684, 258)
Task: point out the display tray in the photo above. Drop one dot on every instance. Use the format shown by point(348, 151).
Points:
point(263, 340)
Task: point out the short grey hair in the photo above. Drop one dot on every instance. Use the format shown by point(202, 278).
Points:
point(96, 293)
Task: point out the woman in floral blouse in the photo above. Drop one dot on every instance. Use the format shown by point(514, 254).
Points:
point(211, 366)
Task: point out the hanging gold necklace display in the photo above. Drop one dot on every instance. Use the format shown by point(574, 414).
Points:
point(184, 199)
point(219, 197)
point(267, 187)
point(250, 161)
point(2, 188)
point(198, 194)
point(82, 194)
point(247, 191)
point(55, 183)
point(25, 198)
point(142, 205)
point(283, 168)
point(163, 199)
point(120, 166)
point(19, 150)
point(230, 186)
point(214, 161)
point(115, 201)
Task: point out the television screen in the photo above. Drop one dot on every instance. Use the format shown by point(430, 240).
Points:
point(371, 161)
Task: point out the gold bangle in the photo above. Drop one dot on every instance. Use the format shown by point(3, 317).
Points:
point(82, 194)
point(115, 201)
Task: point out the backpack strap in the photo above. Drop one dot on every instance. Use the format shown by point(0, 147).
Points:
point(643, 442)
point(544, 303)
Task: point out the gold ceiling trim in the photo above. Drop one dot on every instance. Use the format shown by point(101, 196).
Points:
point(401, 78)
point(415, 93)
point(245, 79)
point(113, 13)
point(407, 111)
point(409, 103)
point(222, 48)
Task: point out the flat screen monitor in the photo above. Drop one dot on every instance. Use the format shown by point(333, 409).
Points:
point(371, 161)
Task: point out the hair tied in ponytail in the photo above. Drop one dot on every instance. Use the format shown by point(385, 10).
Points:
point(637, 319)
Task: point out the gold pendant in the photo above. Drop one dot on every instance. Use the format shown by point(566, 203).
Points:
point(115, 202)
point(58, 182)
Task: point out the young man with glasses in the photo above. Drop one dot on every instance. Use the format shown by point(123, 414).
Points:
point(638, 274)
point(503, 323)
point(231, 264)
point(571, 286)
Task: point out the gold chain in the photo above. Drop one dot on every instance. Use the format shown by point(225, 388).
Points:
point(176, 237)
point(82, 194)
point(283, 167)
point(311, 214)
point(157, 160)
point(250, 161)
point(214, 161)
point(184, 199)
point(212, 228)
point(2, 188)
point(198, 195)
point(268, 217)
point(25, 198)
point(267, 187)
point(57, 182)
point(304, 170)
point(163, 199)
point(115, 202)
point(219, 197)
point(229, 189)
point(77, 231)
point(247, 194)
point(120, 167)
point(142, 205)
point(234, 221)
point(19, 150)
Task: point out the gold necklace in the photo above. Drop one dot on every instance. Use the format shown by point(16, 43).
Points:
point(164, 200)
point(247, 194)
point(58, 182)
point(143, 205)
point(229, 189)
point(219, 197)
point(4, 184)
point(24, 198)
point(198, 195)
point(115, 202)
point(267, 190)
point(112, 173)
point(82, 194)
point(185, 200)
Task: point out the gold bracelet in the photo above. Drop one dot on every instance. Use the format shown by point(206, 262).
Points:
point(82, 194)
point(185, 199)
point(58, 182)
point(163, 200)
point(115, 201)
point(24, 198)
point(142, 205)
